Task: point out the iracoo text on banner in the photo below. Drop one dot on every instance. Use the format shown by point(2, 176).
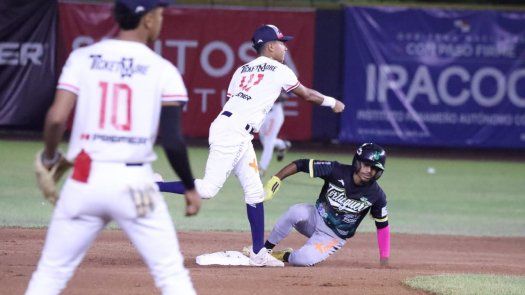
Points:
point(434, 77)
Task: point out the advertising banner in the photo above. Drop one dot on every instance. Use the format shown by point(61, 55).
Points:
point(434, 77)
point(207, 45)
point(27, 61)
point(328, 68)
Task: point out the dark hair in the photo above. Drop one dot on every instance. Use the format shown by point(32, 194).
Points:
point(126, 19)
point(259, 47)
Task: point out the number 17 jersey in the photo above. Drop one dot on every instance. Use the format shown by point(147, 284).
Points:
point(254, 88)
point(120, 86)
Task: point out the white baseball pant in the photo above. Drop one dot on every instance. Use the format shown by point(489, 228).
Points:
point(84, 209)
point(231, 149)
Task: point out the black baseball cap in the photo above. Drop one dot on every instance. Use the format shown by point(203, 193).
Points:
point(267, 33)
point(142, 6)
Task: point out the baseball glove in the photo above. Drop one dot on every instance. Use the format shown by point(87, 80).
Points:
point(47, 178)
point(271, 188)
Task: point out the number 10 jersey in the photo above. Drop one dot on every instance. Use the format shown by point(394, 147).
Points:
point(120, 86)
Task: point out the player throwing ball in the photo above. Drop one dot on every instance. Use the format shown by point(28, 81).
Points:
point(349, 193)
point(253, 89)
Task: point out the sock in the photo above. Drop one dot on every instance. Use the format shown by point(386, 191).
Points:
point(256, 217)
point(286, 256)
point(268, 245)
point(175, 187)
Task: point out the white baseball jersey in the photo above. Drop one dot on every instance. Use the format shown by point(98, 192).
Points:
point(254, 88)
point(119, 95)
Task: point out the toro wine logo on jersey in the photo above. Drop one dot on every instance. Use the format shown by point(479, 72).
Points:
point(126, 66)
point(337, 198)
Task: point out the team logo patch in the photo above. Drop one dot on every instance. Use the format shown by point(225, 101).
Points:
point(337, 198)
point(126, 66)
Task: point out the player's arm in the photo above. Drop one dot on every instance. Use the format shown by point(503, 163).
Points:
point(313, 167)
point(379, 213)
point(318, 98)
point(55, 125)
point(176, 152)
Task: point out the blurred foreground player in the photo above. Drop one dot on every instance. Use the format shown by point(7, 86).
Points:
point(121, 89)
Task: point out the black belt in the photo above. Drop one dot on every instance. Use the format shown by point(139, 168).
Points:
point(134, 164)
point(248, 127)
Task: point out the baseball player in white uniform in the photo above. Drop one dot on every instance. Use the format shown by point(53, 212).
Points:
point(268, 135)
point(121, 89)
point(253, 90)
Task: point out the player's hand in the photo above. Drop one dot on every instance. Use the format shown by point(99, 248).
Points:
point(339, 106)
point(48, 173)
point(271, 188)
point(193, 202)
point(383, 262)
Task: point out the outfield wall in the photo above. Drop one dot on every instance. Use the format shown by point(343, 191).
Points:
point(420, 77)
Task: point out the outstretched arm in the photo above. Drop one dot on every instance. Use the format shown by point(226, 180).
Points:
point(273, 185)
point(288, 170)
point(318, 98)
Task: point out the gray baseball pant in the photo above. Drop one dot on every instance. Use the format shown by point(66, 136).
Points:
point(322, 241)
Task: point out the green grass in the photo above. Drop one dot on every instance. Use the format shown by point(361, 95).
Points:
point(476, 198)
point(468, 284)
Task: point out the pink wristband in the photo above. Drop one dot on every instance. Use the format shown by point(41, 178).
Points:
point(383, 241)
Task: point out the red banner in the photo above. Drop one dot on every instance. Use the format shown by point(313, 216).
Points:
point(206, 45)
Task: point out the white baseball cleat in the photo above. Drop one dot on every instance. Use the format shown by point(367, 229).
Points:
point(264, 258)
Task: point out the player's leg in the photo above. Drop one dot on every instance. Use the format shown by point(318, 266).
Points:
point(299, 216)
point(69, 236)
point(155, 239)
point(321, 244)
point(267, 135)
point(218, 167)
point(281, 146)
point(247, 172)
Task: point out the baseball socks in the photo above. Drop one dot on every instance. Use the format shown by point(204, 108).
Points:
point(255, 214)
point(176, 187)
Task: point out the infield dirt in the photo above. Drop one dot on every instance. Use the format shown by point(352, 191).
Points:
point(113, 266)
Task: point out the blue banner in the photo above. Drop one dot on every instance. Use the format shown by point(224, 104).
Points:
point(328, 69)
point(434, 77)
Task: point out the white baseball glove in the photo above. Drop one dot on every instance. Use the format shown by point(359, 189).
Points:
point(47, 178)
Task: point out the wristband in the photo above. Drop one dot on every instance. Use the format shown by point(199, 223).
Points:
point(328, 102)
point(49, 162)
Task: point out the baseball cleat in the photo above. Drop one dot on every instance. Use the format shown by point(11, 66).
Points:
point(264, 258)
point(282, 152)
point(246, 250)
point(279, 255)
